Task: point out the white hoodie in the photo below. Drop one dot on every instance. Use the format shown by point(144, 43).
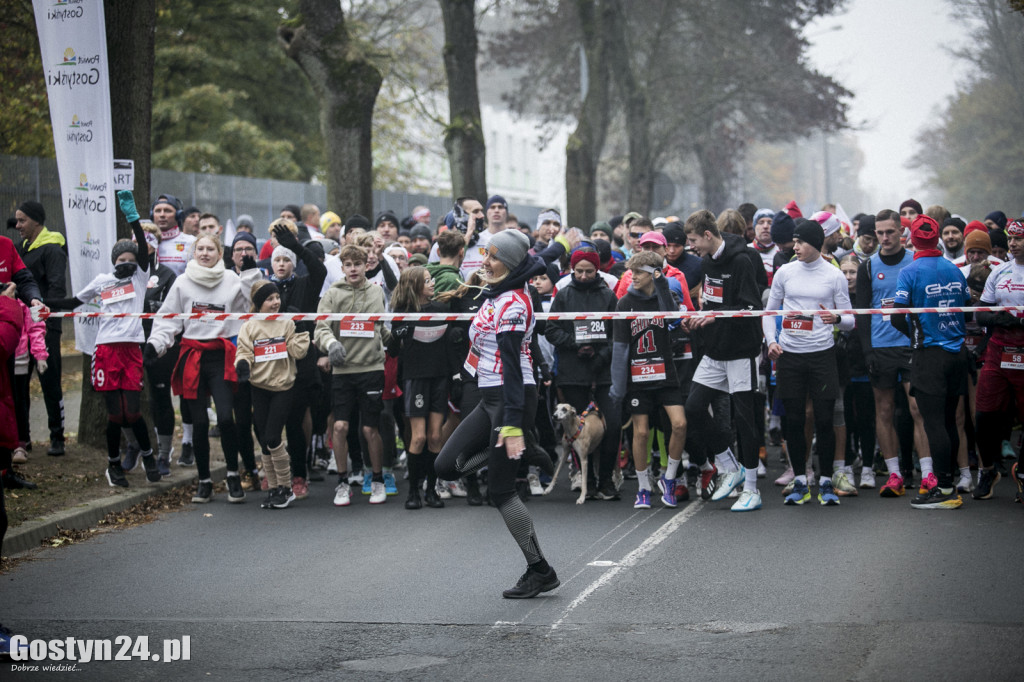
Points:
point(202, 289)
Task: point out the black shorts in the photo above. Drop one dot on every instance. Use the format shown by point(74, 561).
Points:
point(800, 376)
point(423, 396)
point(362, 391)
point(938, 372)
point(889, 367)
point(649, 400)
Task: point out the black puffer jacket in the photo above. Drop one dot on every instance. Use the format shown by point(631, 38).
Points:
point(568, 336)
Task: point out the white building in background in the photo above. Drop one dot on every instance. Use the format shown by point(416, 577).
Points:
point(518, 167)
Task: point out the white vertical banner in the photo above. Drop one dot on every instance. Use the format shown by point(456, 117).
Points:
point(73, 45)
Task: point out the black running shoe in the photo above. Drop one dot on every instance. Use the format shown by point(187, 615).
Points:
point(531, 584)
point(282, 498)
point(187, 458)
point(204, 493)
point(152, 470)
point(473, 496)
point(608, 491)
point(268, 503)
point(235, 492)
point(936, 499)
point(987, 480)
point(115, 476)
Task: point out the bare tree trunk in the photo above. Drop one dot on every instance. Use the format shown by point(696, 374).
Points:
point(464, 137)
point(641, 174)
point(129, 28)
point(346, 85)
point(716, 171)
point(583, 150)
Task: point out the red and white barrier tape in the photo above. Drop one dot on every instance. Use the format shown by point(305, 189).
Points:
point(440, 317)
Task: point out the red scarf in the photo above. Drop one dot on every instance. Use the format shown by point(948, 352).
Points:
point(185, 379)
point(927, 253)
point(763, 249)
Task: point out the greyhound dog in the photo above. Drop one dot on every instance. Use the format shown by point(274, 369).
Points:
point(581, 435)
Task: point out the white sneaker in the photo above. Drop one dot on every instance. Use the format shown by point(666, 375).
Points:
point(442, 490)
point(332, 465)
point(355, 478)
point(867, 477)
point(342, 495)
point(762, 470)
point(535, 487)
point(727, 482)
point(457, 488)
point(576, 482)
point(965, 485)
point(377, 493)
point(749, 501)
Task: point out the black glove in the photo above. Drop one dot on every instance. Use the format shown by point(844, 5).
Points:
point(456, 335)
point(585, 352)
point(248, 263)
point(1006, 319)
point(869, 360)
point(149, 355)
point(401, 331)
point(242, 370)
point(286, 239)
point(455, 389)
point(545, 372)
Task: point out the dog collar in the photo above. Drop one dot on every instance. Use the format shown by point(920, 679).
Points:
point(579, 428)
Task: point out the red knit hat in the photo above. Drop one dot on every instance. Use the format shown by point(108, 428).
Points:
point(1015, 228)
point(924, 233)
point(793, 210)
point(589, 256)
point(975, 226)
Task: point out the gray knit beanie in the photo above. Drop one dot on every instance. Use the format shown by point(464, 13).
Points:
point(509, 247)
point(123, 246)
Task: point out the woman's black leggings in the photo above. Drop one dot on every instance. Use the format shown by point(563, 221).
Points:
point(271, 409)
point(859, 404)
point(579, 397)
point(124, 409)
point(823, 428)
point(160, 406)
point(473, 445)
point(212, 384)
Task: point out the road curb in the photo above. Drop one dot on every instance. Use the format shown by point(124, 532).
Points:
point(30, 534)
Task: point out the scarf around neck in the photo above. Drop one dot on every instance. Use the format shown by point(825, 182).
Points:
point(203, 276)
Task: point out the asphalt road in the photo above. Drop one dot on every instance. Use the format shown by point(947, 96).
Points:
point(872, 589)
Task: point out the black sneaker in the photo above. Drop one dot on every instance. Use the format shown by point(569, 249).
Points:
point(187, 458)
point(235, 492)
point(608, 491)
point(204, 492)
point(13, 481)
point(268, 502)
point(431, 498)
point(115, 475)
point(149, 464)
point(936, 499)
point(414, 501)
point(987, 479)
point(532, 583)
point(56, 448)
point(282, 498)
point(473, 496)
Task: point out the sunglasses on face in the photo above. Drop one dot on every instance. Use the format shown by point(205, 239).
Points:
point(637, 235)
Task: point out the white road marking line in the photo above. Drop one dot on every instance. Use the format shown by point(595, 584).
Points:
point(602, 564)
point(631, 559)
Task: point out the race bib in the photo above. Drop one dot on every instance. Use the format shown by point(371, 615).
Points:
point(266, 350)
point(1012, 358)
point(651, 369)
point(121, 290)
point(798, 324)
point(590, 330)
point(714, 290)
point(198, 308)
point(888, 303)
point(472, 361)
point(355, 330)
point(972, 341)
point(429, 334)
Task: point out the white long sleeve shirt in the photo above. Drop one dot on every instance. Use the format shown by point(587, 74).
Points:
point(806, 286)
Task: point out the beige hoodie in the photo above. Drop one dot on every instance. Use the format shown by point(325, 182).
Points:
point(271, 348)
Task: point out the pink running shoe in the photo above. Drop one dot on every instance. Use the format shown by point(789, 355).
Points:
point(786, 478)
point(927, 483)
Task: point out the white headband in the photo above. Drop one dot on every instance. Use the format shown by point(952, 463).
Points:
point(548, 216)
